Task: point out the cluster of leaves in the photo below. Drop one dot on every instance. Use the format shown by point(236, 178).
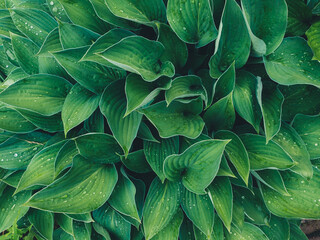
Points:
point(125, 119)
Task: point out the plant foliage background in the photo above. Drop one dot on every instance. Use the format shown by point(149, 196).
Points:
point(151, 119)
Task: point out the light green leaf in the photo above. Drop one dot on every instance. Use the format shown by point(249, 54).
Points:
point(7, 26)
point(83, 217)
point(186, 87)
point(98, 147)
point(265, 24)
point(64, 222)
point(43, 222)
point(51, 43)
point(101, 230)
point(265, 156)
point(113, 107)
point(299, 16)
point(220, 191)
point(57, 10)
point(156, 153)
point(232, 44)
point(192, 21)
point(313, 34)
point(81, 231)
point(177, 119)
point(279, 229)
point(237, 214)
point(140, 92)
point(136, 162)
point(42, 93)
point(80, 103)
point(139, 55)
point(303, 201)
point(160, 196)
point(225, 170)
point(65, 156)
point(225, 83)
point(296, 233)
point(292, 63)
point(83, 189)
point(249, 232)
point(197, 166)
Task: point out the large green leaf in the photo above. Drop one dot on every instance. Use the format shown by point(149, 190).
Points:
point(156, 153)
point(64, 222)
point(296, 233)
point(267, 27)
point(43, 222)
point(232, 44)
point(81, 231)
point(292, 63)
point(113, 106)
point(83, 189)
point(65, 156)
point(51, 43)
point(197, 166)
point(299, 17)
point(313, 35)
point(177, 119)
point(279, 229)
point(40, 93)
point(160, 196)
point(98, 147)
point(57, 10)
point(139, 55)
point(145, 12)
point(79, 104)
point(249, 232)
point(136, 162)
point(192, 21)
point(303, 201)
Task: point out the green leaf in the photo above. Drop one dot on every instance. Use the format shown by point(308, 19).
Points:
point(303, 201)
point(80, 103)
point(232, 44)
point(199, 210)
point(140, 92)
point(139, 55)
point(90, 75)
point(81, 231)
point(42, 93)
point(57, 10)
point(160, 196)
point(313, 35)
point(296, 233)
point(265, 156)
point(186, 230)
point(245, 99)
point(299, 16)
point(292, 63)
point(101, 230)
point(209, 84)
point(192, 21)
point(95, 123)
point(83, 217)
point(308, 129)
point(177, 119)
point(224, 170)
point(236, 153)
point(65, 156)
point(83, 189)
point(267, 27)
point(279, 229)
point(43, 222)
point(156, 153)
point(197, 166)
point(51, 43)
point(81, 12)
point(98, 147)
point(225, 83)
point(11, 207)
point(186, 87)
point(220, 191)
point(249, 232)
point(290, 141)
point(113, 107)
point(145, 12)
point(237, 214)
point(136, 162)
point(64, 222)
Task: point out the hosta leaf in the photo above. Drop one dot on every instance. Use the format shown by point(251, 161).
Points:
point(292, 63)
point(279, 229)
point(7, 26)
point(220, 191)
point(249, 232)
point(160, 196)
point(237, 214)
point(299, 16)
point(303, 201)
point(98, 147)
point(185, 87)
point(156, 153)
point(90, 75)
point(64, 222)
point(101, 230)
point(296, 233)
point(225, 83)
point(177, 119)
point(139, 55)
point(14, 76)
point(80, 230)
point(136, 162)
point(313, 35)
point(65, 156)
point(80, 103)
point(199, 210)
point(42, 222)
point(11, 207)
point(263, 156)
point(57, 10)
point(113, 107)
point(95, 123)
point(145, 12)
point(236, 153)
point(12, 178)
point(33, 23)
point(245, 99)
point(265, 24)
point(40, 170)
point(186, 230)
point(232, 44)
point(225, 170)
point(290, 141)
point(308, 129)
point(27, 4)
point(81, 12)
point(209, 84)
point(83, 217)
point(192, 21)
point(51, 43)
point(59, 233)
point(42, 93)
point(140, 92)
point(83, 189)
point(197, 166)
